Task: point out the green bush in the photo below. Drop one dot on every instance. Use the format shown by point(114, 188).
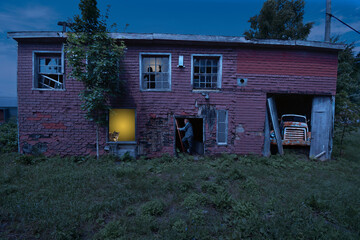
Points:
point(112, 230)
point(243, 209)
point(222, 200)
point(30, 159)
point(8, 137)
point(180, 228)
point(153, 208)
point(193, 200)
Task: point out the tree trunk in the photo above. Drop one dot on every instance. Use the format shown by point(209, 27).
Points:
point(341, 140)
point(97, 141)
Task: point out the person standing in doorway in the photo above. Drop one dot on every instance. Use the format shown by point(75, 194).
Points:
point(189, 135)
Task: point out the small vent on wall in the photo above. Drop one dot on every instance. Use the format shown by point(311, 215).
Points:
point(242, 82)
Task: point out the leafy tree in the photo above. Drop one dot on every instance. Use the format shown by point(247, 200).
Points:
point(8, 136)
point(94, 57)
point(347, 105)
point(279, 19)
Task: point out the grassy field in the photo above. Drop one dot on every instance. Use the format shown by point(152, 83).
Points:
point(224, 197)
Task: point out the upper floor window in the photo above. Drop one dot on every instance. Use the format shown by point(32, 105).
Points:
point(206, 71)
point(48, 70)
point(155, 72)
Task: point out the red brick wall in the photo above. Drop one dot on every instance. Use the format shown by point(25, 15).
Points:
point(55, 118)
point(51, 120)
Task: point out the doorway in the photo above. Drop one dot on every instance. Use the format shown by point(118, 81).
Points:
point(198, 129)
point(289, 119)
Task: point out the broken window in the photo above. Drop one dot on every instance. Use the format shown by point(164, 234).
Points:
point(122, 125)
point(222, 127)
point(155, 72)
point(48, 71)
point(206, 71)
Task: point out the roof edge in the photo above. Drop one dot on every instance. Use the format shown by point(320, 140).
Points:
point(189, 38)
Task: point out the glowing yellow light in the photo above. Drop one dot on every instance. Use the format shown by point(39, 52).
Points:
point(122, 121)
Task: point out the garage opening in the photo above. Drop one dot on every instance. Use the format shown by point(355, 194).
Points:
point(198, 129)
point(293, 104)
point(293, 116)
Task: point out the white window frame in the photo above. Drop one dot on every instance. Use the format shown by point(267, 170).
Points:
point(141, 55)
point(35, 55)
point(226, 127)
point(219, 71)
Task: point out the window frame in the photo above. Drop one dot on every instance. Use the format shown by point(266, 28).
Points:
point(141, 55)
point(35, 71)
point(219, 72)
point(108, 128)
point(226, 127)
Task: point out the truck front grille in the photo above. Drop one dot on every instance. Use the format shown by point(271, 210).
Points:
point(293, 133)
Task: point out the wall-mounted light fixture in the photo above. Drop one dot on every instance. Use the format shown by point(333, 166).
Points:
point(206, 96)
point(181, 61)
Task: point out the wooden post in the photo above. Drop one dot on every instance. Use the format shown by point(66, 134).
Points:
point(275, 122)
point(266, 149)
point(327, 20)
point(177, 128)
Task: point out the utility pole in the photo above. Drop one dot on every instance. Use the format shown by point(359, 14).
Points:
point(327, 20)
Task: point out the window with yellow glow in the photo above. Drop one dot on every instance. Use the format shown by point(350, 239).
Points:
point(122, 125)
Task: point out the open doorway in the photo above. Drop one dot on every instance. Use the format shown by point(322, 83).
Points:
point(292, 115)
point(293, 104)
point(198, 129)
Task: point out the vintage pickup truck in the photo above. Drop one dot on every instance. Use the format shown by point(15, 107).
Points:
point(294, 131)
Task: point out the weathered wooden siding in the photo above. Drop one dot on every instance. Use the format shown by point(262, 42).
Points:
point(286, 62)
point(54, 118)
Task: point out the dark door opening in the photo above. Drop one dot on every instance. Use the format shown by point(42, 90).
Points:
point(293, 104)
point(198, 129)
point(297, 107)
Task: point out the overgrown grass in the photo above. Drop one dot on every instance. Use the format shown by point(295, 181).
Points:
point(8, 136)
point(350, 147)
point(224, 197)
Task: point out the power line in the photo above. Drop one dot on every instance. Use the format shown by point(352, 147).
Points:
point(343, 23)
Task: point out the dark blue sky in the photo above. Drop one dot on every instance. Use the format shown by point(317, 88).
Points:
point(209, 17)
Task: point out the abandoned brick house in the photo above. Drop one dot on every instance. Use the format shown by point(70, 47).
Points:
point(222, 84)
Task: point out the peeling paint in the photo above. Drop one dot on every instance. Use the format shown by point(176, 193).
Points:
point(240, 129)
point(209, 113)
point(38, 148)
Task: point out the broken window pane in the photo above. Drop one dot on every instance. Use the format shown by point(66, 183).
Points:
point(48, 74)
point(196, 62)
point(196, 82)
point(206, 69)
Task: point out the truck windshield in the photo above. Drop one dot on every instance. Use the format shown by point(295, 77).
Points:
point(293, 119)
